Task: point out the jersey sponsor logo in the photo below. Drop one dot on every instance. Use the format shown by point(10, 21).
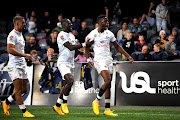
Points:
point(11, 37)
point(62, 37)
point(104, 45)
point(22, 48)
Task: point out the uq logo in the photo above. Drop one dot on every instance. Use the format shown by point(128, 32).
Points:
point(134, 81)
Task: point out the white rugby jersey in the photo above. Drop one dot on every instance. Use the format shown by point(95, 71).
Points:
point(65, 55)
point(101, 44)
point(16, 38)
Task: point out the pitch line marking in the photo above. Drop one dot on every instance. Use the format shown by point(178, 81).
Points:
point(102, 113)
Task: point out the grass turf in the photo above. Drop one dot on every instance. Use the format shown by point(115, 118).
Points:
point(86, 113)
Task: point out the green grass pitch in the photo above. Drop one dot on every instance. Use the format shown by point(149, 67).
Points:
point(86, 113)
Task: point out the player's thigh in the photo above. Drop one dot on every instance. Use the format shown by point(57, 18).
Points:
point(64, 69)
point(24, 85)
point(18, 84)
point(106, 75)
point(69, 78)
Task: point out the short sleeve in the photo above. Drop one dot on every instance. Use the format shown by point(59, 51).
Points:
point(63, 38)
point(90, 36)
point(11, 39)
point(112, 38)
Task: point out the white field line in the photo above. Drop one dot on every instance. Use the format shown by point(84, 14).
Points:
point(102, 113)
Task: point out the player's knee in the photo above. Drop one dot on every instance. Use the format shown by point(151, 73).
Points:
point(18, 92)
point(71, 81)
point(24, 91)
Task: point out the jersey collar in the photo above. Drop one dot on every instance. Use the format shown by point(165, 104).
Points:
point(19, 33)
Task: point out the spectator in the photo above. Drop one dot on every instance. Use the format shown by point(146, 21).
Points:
point(158, 55)
point(52, 42)
point(33, 14)
point(46, 23)
point(162, 16)
point(138, 46)
point(121, 34)
point(144, 55)
point(137, 29)
point(117, 10)
point(106, 8)
point(75, 25)
point(162, 40)
point(32, 46)
point(81, 57)
point(177, 38)
point(128, 45)
point(151, 16)
point(51, 56)
point(32, 25)
point(35, 58)
point(58, 23)
point(83, 32)
point(170, 48)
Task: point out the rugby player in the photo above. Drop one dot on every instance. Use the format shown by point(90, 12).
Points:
point(100, 39)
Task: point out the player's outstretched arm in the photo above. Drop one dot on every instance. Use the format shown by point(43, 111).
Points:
point(72, 47)
point(75, 47)
point(121, 50)
point(11, 49)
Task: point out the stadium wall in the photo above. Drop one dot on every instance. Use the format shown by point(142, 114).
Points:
point(140, 83)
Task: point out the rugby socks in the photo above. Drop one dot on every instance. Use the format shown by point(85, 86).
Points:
point(99, 95)
point(65, 98)
point(10, 99)
point(107, 104)
point(23, 108)
point(59, 102)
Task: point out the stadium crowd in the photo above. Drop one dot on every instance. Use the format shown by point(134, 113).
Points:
point(149, 37)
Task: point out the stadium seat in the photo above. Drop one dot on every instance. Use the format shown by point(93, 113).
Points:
point(178, 31)
point(114, 21)
point(41, 36)
point(4, 56)
point(3, 48)
point(3, 27)
point(89, 21)
point(42, 43)
point(3, 36)
point(3, 41)
point(150, 33)
point(28, 35)
point(146, 25)
point(153, 39)
point(115, 28)
point(91, 27)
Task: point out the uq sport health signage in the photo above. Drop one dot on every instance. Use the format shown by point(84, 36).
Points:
point(148, 83)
